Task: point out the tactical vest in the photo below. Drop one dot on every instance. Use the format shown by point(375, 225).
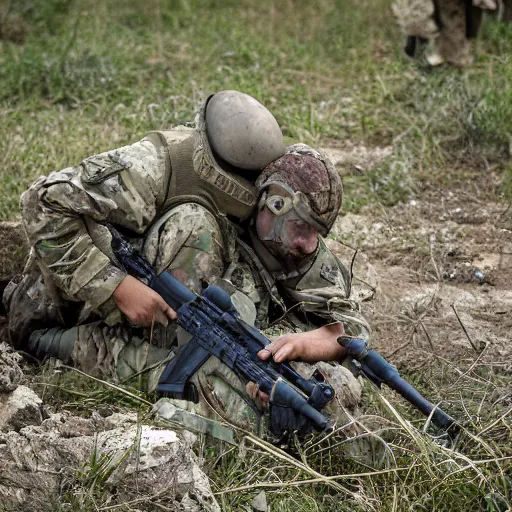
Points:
point(192, 174)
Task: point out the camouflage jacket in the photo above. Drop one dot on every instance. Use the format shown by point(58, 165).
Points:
point(316, 294)
point(124, 188)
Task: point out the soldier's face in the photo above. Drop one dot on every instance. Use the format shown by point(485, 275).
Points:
point(287, 237)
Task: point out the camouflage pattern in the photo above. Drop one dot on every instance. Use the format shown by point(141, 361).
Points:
point(324, 292)
point(452, 44)
point(169, 411)
point(127, 188)
point(121, 187)
point(70, 278)
point(13, 251)
point(416, 18)
point(188, 242)
point(304, 169)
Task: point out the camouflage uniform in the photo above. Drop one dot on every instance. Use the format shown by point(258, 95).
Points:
point(69, 281)
point(451, 23)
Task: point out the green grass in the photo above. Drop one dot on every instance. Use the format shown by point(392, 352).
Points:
point(421, 472)
point(408, 470)
point(102, 74)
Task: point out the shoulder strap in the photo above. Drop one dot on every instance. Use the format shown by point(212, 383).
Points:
point(157, 138)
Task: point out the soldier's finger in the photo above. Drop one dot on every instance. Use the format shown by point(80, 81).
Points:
point(272, 348)
point(161, 317)
point(264, 397)
point(283, 354)
point(166, 309)
point(252, 389)
point(277, 343)
point(171, 313)
point(264, 354)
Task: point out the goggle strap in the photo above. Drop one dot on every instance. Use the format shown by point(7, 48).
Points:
point(304, 212)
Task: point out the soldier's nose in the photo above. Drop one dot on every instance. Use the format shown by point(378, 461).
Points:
point(307, 244)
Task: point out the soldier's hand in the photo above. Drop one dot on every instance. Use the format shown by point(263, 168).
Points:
point(287, 347)
point(256, 394)
point(142, 305)
point(313, 346)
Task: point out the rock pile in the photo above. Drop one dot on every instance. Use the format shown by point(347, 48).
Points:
point(46, 457)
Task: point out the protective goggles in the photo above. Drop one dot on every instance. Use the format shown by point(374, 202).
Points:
point(280, 205)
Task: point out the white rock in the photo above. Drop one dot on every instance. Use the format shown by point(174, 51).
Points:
point(20, 408)
point(144, 461)
point(259, 502)
point(10, 371)
point(154, 459)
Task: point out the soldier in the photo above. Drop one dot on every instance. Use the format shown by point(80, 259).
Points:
point(133, 188)
point(450, 24)
point(75, 304)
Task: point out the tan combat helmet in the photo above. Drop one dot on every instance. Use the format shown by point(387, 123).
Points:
point(241, 131)
point(311, 180)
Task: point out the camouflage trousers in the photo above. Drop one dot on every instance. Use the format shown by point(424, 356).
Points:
point(138, 356)
point(451, 28)
point(453, 45)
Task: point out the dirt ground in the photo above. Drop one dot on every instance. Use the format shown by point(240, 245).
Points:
point(441, 266)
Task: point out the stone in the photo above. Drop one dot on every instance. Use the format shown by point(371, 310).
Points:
point(155, 460)
point(20, 408)
point(70, 452)
point(259, 502)
point(10, 371)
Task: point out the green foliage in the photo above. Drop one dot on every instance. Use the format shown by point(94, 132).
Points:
point(31, 19)
point(328, 70)
point(498, 37)
point(492, 117)
point(507, 183)
point(44, 15)
point(388, 184)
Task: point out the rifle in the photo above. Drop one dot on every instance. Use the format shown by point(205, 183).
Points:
point(216, 329)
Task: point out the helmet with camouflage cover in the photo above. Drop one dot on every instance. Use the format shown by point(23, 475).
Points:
point(311, 180)
point(241, 131)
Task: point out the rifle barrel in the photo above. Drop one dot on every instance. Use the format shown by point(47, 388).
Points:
point(390, 376)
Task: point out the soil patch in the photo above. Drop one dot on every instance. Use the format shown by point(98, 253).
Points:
point(445, 268)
